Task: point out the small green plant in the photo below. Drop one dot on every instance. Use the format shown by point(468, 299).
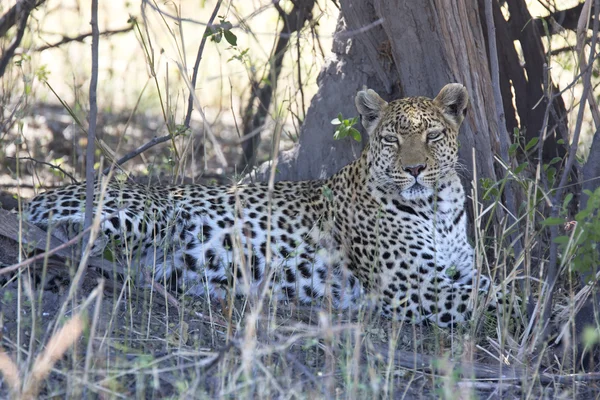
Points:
point(242, 55)
point(591, 336)
point(327, 193)
point(222, 30)
point(345, 127)
point(490, 188)
point(585, 251)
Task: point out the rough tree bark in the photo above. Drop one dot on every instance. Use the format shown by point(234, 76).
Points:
point(397, 49)
point(588, 315)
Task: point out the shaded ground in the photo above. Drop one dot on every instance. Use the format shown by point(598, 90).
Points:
point(146, 349)
point(49, 138)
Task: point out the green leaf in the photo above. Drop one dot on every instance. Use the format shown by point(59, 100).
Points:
point(355, 134)
point(551, 174)
point(340, 134)
point(582, 215)
point(451, 271)
point(561, 240)
point(216, 37)
point(210, 31)
point(108, 255)
point(520, 168)
point(230, 37)
point(554, 160)
point(550, 221)
point(345, 128)
point(327, 192)
point(513, 149)
point(567, 200)
point(545, 26)
point(591, 336)
point(531, 143)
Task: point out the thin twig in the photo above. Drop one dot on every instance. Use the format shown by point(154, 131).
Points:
point(582, 27)
point(300, 85)
point(362, 29)
point(292, 22)
point(161, 289)
point(52, 166)
point(10, 120)
point(242, 21)
point(207, 129)
point(37, 257)
point(138, 151)
point(503, 137)
point(188, 115)
point(90, 346)
point(157, 140)
point(80, 38)
point(29, 186)
point(150, 61)
point(91, 139)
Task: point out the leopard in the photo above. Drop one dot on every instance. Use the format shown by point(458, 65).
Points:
point(389, 226)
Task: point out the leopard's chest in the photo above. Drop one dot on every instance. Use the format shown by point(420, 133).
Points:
point(414, 229)
point(420, 237)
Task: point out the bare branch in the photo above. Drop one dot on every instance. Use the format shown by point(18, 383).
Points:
point(179, 19)
point(502, 134)
point(10, 51)
point(188, 115)
point(138, 151)
point(81, 37)
point(91, 139)
point(582, 27)
point(161, 289)
point(565, 19)
point(52, 166)
point(11, 17)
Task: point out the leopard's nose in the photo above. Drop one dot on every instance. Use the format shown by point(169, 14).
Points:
point(416, 169)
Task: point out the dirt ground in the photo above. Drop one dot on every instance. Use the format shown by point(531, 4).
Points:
point(146, 349)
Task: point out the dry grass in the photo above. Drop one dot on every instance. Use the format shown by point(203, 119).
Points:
point(145, 343)
point(55, 350)
point(10, 372)
point(29, 387)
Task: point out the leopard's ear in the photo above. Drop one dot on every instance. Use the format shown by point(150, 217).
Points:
point(452, 101)
point(370, 107)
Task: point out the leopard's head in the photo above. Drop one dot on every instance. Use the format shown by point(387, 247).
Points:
point(412, 141)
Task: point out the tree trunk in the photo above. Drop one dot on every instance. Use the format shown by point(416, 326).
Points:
point(588, 315)
point(528, 82)
point(397, 49)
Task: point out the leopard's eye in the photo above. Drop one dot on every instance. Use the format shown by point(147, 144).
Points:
point(435, 135)
point(390, 139)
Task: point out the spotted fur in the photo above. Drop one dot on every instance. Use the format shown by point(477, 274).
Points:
point(391, 224)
